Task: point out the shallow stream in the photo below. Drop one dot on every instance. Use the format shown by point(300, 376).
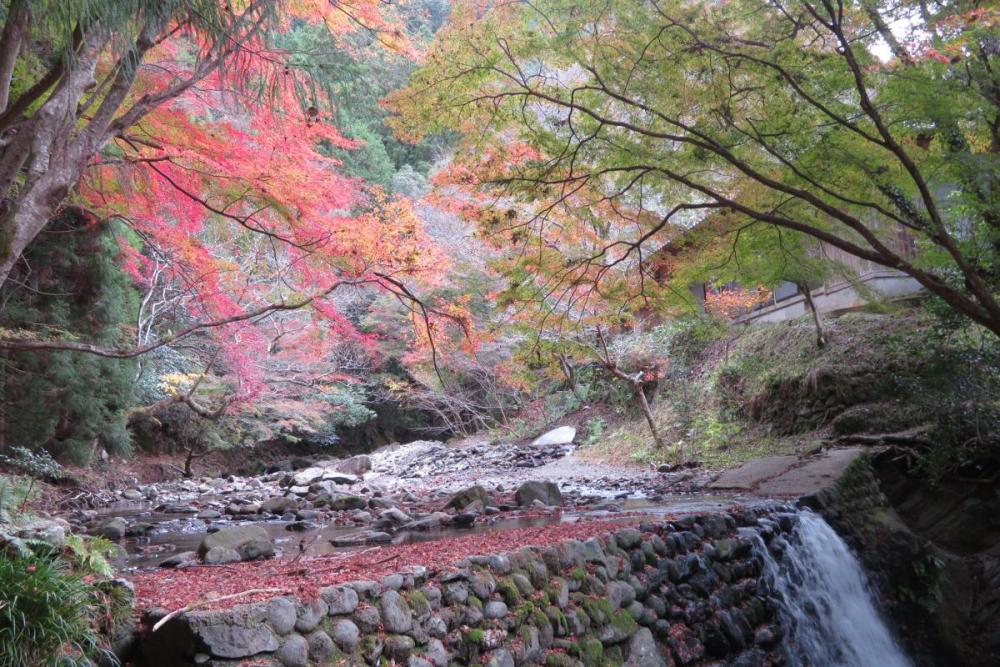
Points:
point(175, 533)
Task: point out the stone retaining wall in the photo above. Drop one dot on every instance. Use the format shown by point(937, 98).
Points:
point(685, 592)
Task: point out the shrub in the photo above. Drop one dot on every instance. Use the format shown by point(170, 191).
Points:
point(46, 613)
point(38, 464)
point(595, 430)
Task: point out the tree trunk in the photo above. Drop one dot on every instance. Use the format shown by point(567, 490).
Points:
point(14, 31)
point(647, 412)
point(817, 322)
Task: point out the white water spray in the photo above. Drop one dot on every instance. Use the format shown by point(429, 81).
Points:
point(828, 607)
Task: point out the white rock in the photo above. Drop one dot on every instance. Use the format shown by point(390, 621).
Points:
point(563, 435)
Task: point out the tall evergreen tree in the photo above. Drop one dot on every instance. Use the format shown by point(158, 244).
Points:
point(69, 403)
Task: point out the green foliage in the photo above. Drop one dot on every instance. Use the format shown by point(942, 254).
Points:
point(91, 555)
point(348, 401)
point(594, 429)
point(47, 613)
point(15, 491)
point(38, 464)
point(65, 402)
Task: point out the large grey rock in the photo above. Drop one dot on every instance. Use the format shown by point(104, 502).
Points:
point(628, 538)
point(310, 614)
point(221, 556)
point(396, 615)
point(436, 653)
point(501, 658)
point(236, 633)
point(321, 646)
point(251, 542)
point(356, 465)
point(564, 435)
point(113, 529)
point(495, 609)
point(278, 505)
point(399, 647)
point(281, 614)
point(395, 516)
point(52, 533)
point(294, 652)
point(307, 476)
point(181, 559)
point(436, 627)
point(348, 503)
point(642, 651)
point(547, 493)
point(620, 594)
point(339, 599)
point(367, 618)
point(346, 634)
point(468, 496)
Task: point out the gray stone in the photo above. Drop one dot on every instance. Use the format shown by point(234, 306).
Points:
point(482, 585)
point(499, 563)
point(221, 556)
point(392, 582)
point(180, 559)
point(348, 503)
point(560, 592)
point(321, 646)
point(294, 652)
point(367, 618)
point(436, 627)
point(620, 594)
point(307, 476)
point(366, 588)
point(281, 614)
point(252, 542)
point(469, 496)
point(113, 529)
point(495, 609)
point(547, 493)
point(628, 538)
point(339, 599)
point(356, 465)
point(377, 537)
point(346, 634)
point(436, 653)
point(209, 514)
point(642, 651)
point(310, 614)
point(396, 615)
point(399, 647)
point(237, 633)
point(417, 661)
point(471, 616)
point(501, 658)
point(52, 533)
point(278, 505)
point(456, 592)
point(395, 516)
point(564, 435)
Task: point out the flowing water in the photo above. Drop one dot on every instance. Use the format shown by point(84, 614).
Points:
point(828, 607)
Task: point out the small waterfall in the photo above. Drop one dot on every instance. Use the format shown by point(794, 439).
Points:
point(828, 607)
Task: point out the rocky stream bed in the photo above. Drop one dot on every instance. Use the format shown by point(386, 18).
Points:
point(419, 491)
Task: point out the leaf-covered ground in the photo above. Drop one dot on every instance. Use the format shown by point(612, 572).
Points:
point(173, 589)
